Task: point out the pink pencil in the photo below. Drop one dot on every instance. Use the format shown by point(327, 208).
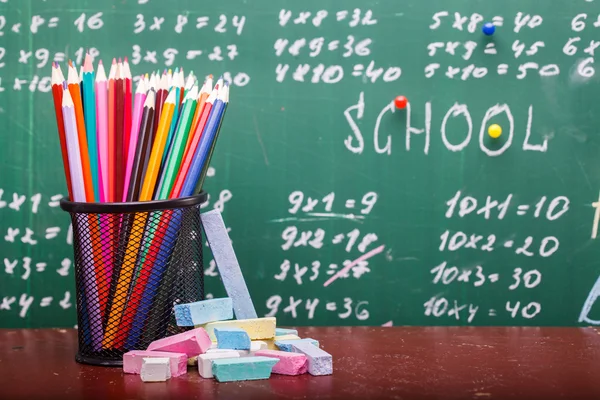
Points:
point(102, 129)
point(138, 105)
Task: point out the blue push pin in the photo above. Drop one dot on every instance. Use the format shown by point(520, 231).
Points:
point(488, 29)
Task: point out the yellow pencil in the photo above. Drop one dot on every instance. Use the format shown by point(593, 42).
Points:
point(133, 244)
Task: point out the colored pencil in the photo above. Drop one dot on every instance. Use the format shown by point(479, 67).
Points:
point(140, 99)
point(178, 146)
point(143, 148)
point(175, 118)
point(119, 136)
point(191, 151)
point(79, 194)
point(89, 102)
point(206, 142)
point(57, 94)
point(189, 84)
point(102, 121)
point(202, 96)
point(161, 95)
point(127, 82)
point(111, 130)
point(204, 171)
point(75, 92)
point(158, 147)
point(181, 86)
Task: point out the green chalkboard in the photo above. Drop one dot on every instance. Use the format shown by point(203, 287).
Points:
point(316, 170)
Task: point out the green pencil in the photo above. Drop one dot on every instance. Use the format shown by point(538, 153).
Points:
point(178, 146)
point(89, 109)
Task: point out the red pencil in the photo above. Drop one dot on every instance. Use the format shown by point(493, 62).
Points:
point(57, 93)
point(127, 107)
point(119, 135)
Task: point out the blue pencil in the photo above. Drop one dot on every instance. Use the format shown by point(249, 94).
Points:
point(89, 109)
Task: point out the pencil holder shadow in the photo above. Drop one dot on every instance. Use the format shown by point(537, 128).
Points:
point(133, 262)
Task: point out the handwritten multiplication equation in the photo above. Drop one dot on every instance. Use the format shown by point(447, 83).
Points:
point(144, 25)
point(524, 53)
point(359, 242)
point(356, 46)
point(25, 301)
point(478, 274)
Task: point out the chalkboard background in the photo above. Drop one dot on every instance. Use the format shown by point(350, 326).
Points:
point(315, 169)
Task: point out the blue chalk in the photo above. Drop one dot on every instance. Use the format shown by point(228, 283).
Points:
point(227, 263)
point(201, 312)
point(232, 338)
point(319, 361)
point(488, 29)
point(284, 331)
point(243, 369)
point(286, 345)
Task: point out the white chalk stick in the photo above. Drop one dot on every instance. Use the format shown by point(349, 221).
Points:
point(155, 369)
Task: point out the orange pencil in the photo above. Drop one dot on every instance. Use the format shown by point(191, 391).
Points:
point(204, 93)
point(75, 91)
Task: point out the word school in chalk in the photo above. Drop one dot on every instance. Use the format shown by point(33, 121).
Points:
point(466, 128)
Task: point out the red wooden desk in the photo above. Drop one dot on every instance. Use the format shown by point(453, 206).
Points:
point(369, 363)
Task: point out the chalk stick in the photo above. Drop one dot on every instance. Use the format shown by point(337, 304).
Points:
point(243, 369)
point(227, 263)
point(132, 361)
point(205, 361)
point(192, 343)
point(285, 331)
point(255, 346)
point(289, 363)
point(278, 338)
point(232, 338)
point(286, 345)
point(155, 369)
point(204, 311)
point(319, 361)
point(257, 328)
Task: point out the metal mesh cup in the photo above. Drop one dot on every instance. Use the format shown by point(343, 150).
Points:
point(133, 262)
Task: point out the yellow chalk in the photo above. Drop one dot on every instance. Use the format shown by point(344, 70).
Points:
point(271, 342)
point(495, 131)
point(257, 328)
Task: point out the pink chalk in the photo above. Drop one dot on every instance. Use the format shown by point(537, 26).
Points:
point(132, 361)
point(289, 363)
point(192, 343)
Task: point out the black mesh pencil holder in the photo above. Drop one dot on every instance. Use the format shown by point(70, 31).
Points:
point(133, 262)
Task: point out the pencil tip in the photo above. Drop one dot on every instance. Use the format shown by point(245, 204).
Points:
point(120, 60)
point(114, 61)
point(99, 62)
point(126, 60)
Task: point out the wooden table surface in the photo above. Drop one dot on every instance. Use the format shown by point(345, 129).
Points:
point(369, 363)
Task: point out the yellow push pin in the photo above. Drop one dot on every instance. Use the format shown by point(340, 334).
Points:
point(495, 131)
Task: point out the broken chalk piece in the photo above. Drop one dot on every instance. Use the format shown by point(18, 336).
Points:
point(285, 331)
point(289, 363)
point(227, 263)
point(204, 311)
point(243, 369)
point(319, 361)
point(257, 328)
point(232, 338)
point(286, 345)
point(132, 361)
point(155, 369)
point(192, 343)
point(205, 361)
point(255, 346)
point(271, 342)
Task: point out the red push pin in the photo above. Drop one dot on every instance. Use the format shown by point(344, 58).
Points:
point(400, 102)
